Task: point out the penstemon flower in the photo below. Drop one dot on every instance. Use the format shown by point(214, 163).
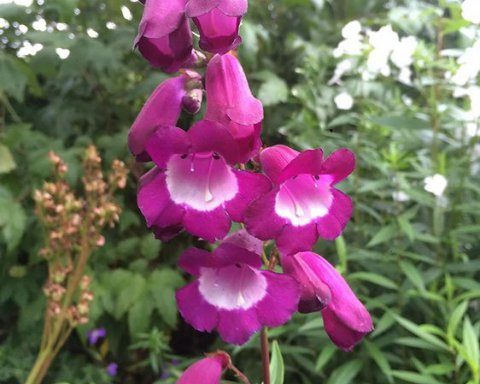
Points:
point(304, 204)
point(163, 108)
point(232, 294)
point(345, 318)
point(218, 23)
point(195, 185)
point(231, 103)
point(164, 36)
point(203, 180)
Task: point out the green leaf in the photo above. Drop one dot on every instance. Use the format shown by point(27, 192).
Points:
point(379, 359)
point(385, 234)
point(470, 343)
point(162, 285)
point(345, 373)
point(7, 163)
point(139, 316)
point(277, 367)
point(325, 356)
point(413, 275)
point(13, 221)
point(413, 377)
point(12, 79)
point(455, 319)
point(421, 333)
point(150, 247)
point(374, 278)
point(273, 91)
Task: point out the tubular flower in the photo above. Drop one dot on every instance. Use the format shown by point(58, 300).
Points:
point(303, 204)
point(218, 22)
point(164, 36)
point(231, 293)
point(162, 108)
point(194, 185)
point(206, 371)
point(345, 318)
point(231, 103)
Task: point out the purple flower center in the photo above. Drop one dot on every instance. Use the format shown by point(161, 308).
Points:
point(203, 181)
point(233, 287)
point(304, 198)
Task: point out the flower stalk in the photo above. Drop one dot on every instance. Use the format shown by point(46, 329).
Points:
point(73, 229)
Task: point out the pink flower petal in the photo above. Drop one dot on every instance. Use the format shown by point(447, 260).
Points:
point(275, 159)
point(341, 335)
point(194, 309)
point(192, 259)
point(166, 141)
point(206, 371)
point(162, 108)
point(339, 165)
point(244, 240)
point(332, 225)
point(233, 7)
point(251, 187)
point(210, 226)
point(161, 17)
point(295, 239)
point(261, 220)
point(280, 302)
point(237, 326)
point(152, 196)
point(197, 8)
point(307, 162)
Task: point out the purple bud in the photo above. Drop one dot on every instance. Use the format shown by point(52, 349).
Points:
point(96, 334)
point(112, 369)
point(192, 101)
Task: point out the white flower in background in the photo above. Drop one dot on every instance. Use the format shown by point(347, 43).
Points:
point(111, 25)
point(436, 184)
point(402, 55)
point(29, 49)
point(344, 101)
point(469, 65)
point(474, 94)
point(24, 3)
point(472, 130)
point(352, 30)
point(400, 196)
point(22, 29)
point(40, 25)
point(126, 13)
point(62, 53)
point(405, 76)
point(377, 63)
point(471, 11)
point(385, 39)
point(352, 44)
point(61, 26)
point(4, 24)
point(92, 33)
point(342, 67)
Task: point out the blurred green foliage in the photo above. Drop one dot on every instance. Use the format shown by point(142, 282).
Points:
point(410, 255)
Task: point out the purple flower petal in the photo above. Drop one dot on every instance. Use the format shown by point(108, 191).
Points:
point(210, 226)
point(332, 225)
point(165, 142)
point(244, 240)
point(275, 159)
point(339, 165)
point(295, 239)
point(162, 108)
point(308, 162)
point(206, 371)
point(237, 326)
point(251, 187)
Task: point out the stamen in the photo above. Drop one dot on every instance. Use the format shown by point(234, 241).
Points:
point(192, 165)
point(299, 212)
point(208, 193)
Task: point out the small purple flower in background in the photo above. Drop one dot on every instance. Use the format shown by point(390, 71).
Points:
point(232, 294)
point(195, 185)
point(112, 369)
point(231, 103)
point(96, 334)
point(164, 36)
point(207, 370)
point(163, 108)
point(218, 22)
point(304, 204)
point(345, 318)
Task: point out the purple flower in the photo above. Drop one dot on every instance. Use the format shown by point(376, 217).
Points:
point(96, 334)
point(194, 185)
point(345, 318)
point(164, 36)
point(112, 369)
point(206, 371)
point(231, 103)
point(218, 22)
point(303, 204)
point(232, 294)
point(162, 108)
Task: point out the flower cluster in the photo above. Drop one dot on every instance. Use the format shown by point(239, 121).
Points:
point(217, 172)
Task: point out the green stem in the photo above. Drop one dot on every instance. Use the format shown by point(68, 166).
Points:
point(265, 355)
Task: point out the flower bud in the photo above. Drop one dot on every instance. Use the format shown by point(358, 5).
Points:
point(192, 101)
